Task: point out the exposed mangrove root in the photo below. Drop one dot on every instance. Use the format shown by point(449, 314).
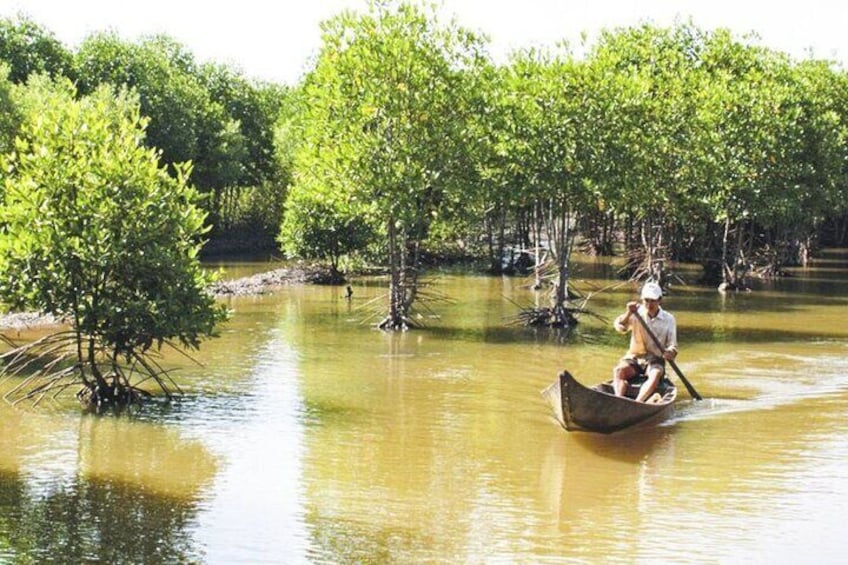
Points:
point(116, 396)
point(402, 324)
point(415, 317)
point(561, 316)
point(548, 317)
point(49, 366)
point(557, 316)
point(566, 316)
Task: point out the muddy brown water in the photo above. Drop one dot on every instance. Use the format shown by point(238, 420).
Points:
point(307, 437)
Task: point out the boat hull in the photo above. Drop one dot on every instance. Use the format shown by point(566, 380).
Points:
point(597, 409)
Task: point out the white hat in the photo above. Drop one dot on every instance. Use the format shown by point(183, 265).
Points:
point(652, 291)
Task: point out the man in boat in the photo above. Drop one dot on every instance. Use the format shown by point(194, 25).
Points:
point(644, 357)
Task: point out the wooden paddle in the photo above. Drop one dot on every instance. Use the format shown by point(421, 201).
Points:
point(692, 392)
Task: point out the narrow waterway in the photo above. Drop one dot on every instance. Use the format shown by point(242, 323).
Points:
point(308, 437)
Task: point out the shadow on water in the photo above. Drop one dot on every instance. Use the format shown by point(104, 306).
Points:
point(84, 521)
point(713, 335)
point(595, 335)
point(771, 298)
point(629, 446)
point(503, 334)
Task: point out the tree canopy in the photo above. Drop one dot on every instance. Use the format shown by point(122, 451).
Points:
point(406, 139)
point(97, 233)
point(386, 127)
point(29, 48)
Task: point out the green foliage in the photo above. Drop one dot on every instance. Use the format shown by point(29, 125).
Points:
point(9, 113)
point(207, 114)
point(818, 102)
point(316, 226)
point(254, 200)
point(405, 126)
point(95, 231)
point(186, 124)
point(650, 90)
point(386, 108)
point(255, 108)
point(388, 122)
point(29, 49)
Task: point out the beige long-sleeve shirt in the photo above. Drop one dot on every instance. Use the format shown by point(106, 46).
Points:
point(663, 325)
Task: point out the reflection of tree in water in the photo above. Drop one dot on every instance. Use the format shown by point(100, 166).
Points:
point(93, 521)
point(336, 540)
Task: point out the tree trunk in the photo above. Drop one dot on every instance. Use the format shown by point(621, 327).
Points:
point(537, 236)
point(561, 224)
point(404, 259)
point(494, 259)
point(724, 244)
point(395, 318)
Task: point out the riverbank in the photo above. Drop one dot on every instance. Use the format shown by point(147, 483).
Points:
point(269, 281)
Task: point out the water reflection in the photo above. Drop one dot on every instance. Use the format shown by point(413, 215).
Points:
point(308, 437)
point(588, 479)
point(254, 511)
point(92, 520)
point(97, 489)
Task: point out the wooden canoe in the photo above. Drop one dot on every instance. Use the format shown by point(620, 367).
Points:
point(598, 409)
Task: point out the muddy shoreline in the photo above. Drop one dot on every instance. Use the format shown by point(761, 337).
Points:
point(269, 281)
